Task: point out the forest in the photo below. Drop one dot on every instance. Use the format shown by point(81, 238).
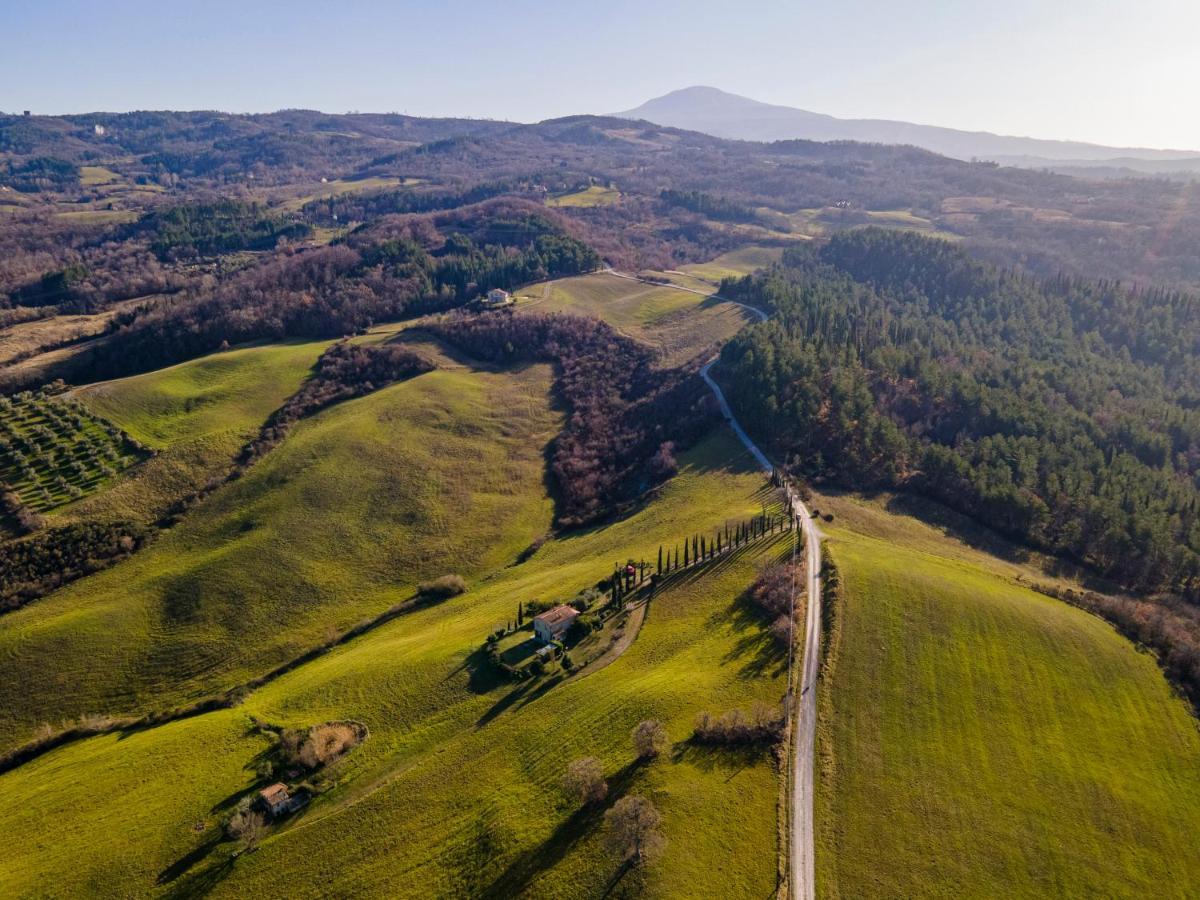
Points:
point(388, 270)
point(1063, 413)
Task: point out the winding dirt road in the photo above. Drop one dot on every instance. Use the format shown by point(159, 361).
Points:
point(802, 707)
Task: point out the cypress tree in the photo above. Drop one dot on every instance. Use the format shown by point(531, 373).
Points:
point(685, 554)
point(520, 613)
point(659, 559)
point(703, 547)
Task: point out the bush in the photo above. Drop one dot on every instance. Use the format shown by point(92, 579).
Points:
point(322, 744)
point(772, 593)
point(442, 588)
point(763, 724)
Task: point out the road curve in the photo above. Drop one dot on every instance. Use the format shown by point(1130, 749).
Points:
point(802, 707)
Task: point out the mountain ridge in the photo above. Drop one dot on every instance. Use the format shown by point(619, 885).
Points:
point(722, 114)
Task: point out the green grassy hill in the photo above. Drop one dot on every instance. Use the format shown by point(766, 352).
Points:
point(197, 414)
point(978, 737)
point(457, 790)
point(443, 473)
point(679, 324)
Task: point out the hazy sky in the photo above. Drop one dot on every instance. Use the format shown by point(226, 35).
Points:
point(1110, 71)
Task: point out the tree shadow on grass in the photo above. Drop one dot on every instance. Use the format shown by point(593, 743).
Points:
point(522, 871)
point(732, 759)
point(754, 647)
point(186, 862)
point(201, 883)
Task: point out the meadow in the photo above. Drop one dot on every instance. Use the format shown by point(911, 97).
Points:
point(457, 790)
point(196, 415)
point(678, 324)
point(975, 733)
point(443, 473)
point(596, 195)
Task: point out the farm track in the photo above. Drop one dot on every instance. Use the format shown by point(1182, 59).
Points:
point(803, 707)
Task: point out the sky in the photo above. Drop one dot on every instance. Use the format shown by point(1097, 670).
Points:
point(1114, 72)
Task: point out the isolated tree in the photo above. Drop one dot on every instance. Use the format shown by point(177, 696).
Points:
point(649, 738)
point(246, 826)
point(584, 780)
point(633, 829)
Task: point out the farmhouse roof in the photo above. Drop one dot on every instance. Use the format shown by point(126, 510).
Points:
point(562, 613)
point(274, 793)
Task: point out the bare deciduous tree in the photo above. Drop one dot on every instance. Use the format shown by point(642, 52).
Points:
point(246, 826)
point(649, 739)
point(633, 829)
point(585, 780)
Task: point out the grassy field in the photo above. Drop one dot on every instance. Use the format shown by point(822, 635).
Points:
point(738, 262)
point(100, 216)
point(27, 339)
point(677, 323)
point(341, 521)
point(976, 734)
point(456, 791)
point(338, 186)
point(592, 196)
point(197, 414)
point(91, 176)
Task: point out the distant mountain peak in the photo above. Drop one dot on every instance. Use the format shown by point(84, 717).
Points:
point(714, 111)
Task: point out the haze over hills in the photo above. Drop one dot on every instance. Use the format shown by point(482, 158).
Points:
point(726, 115)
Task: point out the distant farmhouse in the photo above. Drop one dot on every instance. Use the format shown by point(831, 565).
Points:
point(496, 298)
point(553, 624)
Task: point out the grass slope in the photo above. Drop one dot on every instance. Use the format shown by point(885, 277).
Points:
point(679, 324)
point(979, 737)
point(456, 791)
point(197, 414)
point(588, 197)
point(440, 473)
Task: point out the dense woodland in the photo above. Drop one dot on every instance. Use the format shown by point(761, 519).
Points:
point(392, 269)
point(1064, 413)
point(626, 418)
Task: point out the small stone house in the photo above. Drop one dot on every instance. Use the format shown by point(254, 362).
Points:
point(275, 800)
point(553, 624)
point(497, 297)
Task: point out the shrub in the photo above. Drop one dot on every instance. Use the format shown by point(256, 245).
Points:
point(320, 745)
point(442, 588)
point(763, 724)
